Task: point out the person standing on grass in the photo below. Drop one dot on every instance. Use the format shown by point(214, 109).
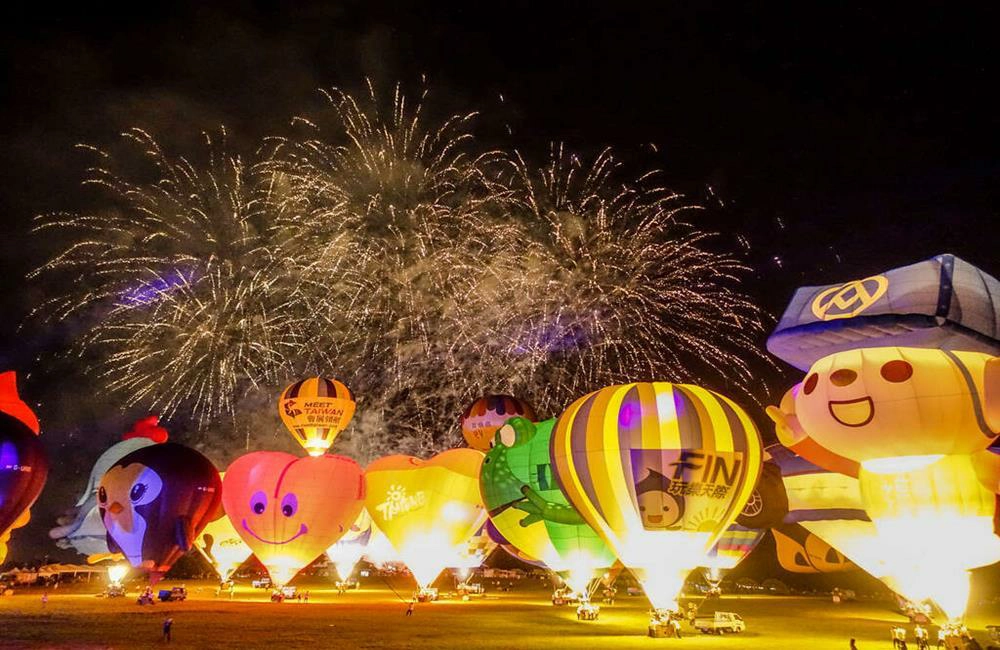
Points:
point(409, 610)
point(854, 646)
point(45, 599)
point(167, 624)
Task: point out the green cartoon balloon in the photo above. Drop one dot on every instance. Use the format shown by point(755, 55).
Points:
point(527, 506)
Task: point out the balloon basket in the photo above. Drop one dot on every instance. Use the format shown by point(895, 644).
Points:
point(664, 624)
point(588, 612)
point(427, 595)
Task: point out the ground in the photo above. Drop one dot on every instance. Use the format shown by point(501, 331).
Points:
point(374, 617)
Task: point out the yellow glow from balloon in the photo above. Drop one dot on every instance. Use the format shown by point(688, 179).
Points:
point(935, 523)
point(117, 573)
point(429, 509)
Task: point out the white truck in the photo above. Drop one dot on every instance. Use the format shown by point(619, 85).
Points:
point(720, 623)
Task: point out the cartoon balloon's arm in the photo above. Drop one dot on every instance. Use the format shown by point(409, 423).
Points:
point(793, 436)
point(538, 509)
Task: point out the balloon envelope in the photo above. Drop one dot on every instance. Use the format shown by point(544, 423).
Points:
point(940, 303)
point(345, 552)
point(289, 510)
point(660, 471)
point(427, 509)
point(24, 465)
point(315, 410)
point(155, 501)
point(484, 416)
point(529, 509)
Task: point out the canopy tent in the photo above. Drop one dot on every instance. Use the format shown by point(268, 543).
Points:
point(943, 302)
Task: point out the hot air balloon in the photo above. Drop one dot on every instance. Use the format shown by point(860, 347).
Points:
point(155, 501)
point(81, 527)
point(825, 512)
point(528, 508)
point(315, 410)
point(509, 548)
point(766, 508)
point(428, 509)
point(289, 510)
point(221, 545)
point(23, 463)
point(800, 551)
point(914, 425)
point(660, 471)
point(485, 415)
point(348, 550)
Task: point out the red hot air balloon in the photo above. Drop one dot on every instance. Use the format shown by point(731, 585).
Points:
point(155, 501)
point(23, 463)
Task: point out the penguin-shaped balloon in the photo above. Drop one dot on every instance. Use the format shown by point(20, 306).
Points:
point(155, 501)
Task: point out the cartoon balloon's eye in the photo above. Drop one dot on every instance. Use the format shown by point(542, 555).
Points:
point(642, 508)
point(102, 494)
point(289, 505)
point(507, 435)
point(843, 377)
point(810, 384)
point(666, 508)
point(137, 491)
point(258, 502)
point(897, 371)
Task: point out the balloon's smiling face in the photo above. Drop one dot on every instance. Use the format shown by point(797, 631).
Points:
point(659, 510)
point(289, 510)
point(885, 402)
point(122, 493)
point(277, 515)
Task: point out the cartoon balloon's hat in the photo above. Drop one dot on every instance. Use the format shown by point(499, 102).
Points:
point(148, 427)
point(11, 403)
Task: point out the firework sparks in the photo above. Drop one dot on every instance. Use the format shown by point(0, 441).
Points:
point(395, 256)
point(176, 282)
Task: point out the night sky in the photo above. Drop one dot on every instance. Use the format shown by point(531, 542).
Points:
point(840, 142)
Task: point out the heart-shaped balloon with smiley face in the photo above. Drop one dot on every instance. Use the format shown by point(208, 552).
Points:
point(288, 509)
point(428, 509)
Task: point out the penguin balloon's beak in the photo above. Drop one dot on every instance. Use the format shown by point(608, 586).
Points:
point(115, 508)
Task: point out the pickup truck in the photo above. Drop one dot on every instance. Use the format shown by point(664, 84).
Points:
point(720, 623)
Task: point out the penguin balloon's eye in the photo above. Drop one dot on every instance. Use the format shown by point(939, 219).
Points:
point(289, 505)
point(258, 502)
point(137, 491)
point(102, 494)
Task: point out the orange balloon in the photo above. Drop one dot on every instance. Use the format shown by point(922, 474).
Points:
point(289, 510)
point(428, 509)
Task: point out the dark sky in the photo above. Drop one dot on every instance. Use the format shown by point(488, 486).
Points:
point(843, 141)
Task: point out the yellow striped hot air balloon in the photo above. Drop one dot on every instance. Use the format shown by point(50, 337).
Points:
point(660, 471)
point(315, 410)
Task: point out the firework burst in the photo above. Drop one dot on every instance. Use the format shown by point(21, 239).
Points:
point(182, 300)
point(392, 254)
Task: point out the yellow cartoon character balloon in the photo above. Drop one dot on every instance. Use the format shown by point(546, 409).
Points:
point(660, 471)
point(315, 410)
point(914, 426)
point(427, 509)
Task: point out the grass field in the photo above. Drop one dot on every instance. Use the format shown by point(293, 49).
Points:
point(522, 619)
